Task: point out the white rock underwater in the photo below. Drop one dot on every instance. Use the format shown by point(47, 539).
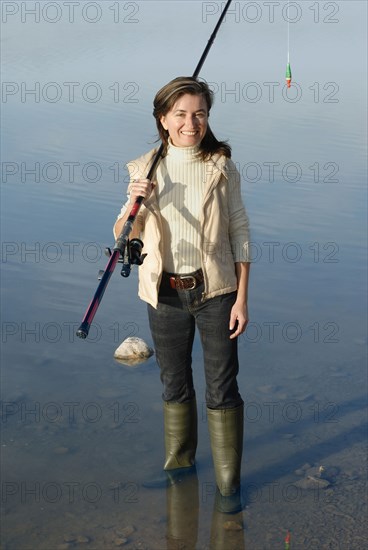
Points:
point(133, 351)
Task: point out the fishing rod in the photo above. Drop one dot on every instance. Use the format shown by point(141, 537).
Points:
point(120, 251)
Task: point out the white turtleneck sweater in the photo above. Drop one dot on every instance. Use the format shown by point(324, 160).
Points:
point(181, 184)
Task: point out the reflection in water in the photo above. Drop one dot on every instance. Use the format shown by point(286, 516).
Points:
point(227, 533)
point(182, 504)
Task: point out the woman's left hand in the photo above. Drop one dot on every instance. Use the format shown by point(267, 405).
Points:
point(239, 315)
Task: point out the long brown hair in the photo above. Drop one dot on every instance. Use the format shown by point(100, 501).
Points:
point(164, 101)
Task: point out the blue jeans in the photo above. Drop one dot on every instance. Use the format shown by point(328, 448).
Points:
point(173, 326)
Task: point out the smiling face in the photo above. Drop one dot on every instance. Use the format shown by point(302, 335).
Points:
point(187, 121)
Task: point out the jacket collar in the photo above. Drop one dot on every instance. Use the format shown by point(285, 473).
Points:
point(215, 167)
point(216, 162)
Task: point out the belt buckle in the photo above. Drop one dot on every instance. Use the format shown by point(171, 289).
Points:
point(194, 281)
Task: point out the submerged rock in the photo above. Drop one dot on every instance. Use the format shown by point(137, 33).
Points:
point(69, 537)
point(126, 531)
point(312, 482)
point(120, 541)
point(82, 539)
point(316, 477)
point(133, 351)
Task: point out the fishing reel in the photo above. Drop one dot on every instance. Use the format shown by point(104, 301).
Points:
point(132, 256)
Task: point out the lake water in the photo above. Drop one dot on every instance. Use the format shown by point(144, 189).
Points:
point(81, 432)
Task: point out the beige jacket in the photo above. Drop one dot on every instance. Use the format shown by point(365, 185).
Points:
point(224, 229)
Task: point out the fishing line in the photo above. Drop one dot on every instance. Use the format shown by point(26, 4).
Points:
point(288, 34)
point(288, 69)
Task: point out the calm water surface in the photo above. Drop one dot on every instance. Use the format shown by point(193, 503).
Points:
point(81, 432)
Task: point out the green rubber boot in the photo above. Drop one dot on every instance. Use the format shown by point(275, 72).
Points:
point(180, 423)
point(180, 427)
point(226, 436)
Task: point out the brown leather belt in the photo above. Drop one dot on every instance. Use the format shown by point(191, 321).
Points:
point(185, 282)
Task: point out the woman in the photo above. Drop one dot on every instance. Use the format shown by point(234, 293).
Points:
point(195, 233)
